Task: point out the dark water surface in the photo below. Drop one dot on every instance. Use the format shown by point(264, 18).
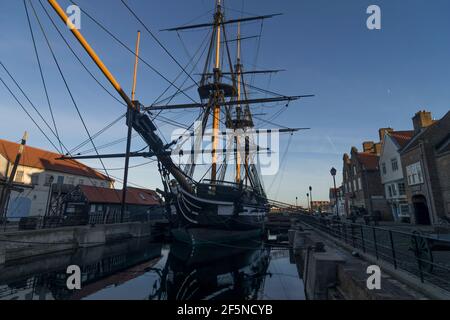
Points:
point(140, 270)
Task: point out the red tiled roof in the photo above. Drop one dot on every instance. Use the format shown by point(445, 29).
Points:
point(42, 159)
point(402, 137)
point(368, 160)
point(144, 197)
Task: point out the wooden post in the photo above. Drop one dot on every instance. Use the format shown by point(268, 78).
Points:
point(6, 191)
point(130, 131)
point(216, 112)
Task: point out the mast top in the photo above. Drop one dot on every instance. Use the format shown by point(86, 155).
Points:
point(204, 25)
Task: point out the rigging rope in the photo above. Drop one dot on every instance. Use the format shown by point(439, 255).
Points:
point(157, 40)
point(131, 50)
point(284, 160)
point(28, 99)
point(78, 164)
point(78, 58)
point(29, 115)
point(41, 73)
point(97, 134)
point(67, 86)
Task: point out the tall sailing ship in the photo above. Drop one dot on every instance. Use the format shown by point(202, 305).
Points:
point(228, 201)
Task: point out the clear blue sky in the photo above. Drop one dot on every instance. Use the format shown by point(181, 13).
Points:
point(363, 80)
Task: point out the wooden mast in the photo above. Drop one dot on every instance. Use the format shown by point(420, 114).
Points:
point(62, 14)
point(151, 138)
point(130, 130)
point(136, 63)
point(216, 111)
point(238, 108)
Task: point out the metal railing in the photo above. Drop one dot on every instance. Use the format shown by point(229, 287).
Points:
point(50, 222)
point(424, 256)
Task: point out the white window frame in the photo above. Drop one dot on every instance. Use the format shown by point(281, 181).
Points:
point(415, 174)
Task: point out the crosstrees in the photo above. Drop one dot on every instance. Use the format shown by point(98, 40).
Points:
point(224, 22)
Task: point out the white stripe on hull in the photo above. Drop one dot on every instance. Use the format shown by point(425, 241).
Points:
point(190, 208)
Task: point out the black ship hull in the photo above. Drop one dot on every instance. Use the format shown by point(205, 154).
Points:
point(222, 215)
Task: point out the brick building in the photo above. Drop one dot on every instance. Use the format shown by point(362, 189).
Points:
point(363, 191)
point(320, 206)
point(44, 176)
point(103, 205)
point(426, 166)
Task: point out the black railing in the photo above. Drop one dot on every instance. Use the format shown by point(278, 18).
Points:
point(424, 256)
point(50, 222)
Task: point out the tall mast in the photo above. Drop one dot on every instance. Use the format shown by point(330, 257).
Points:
point(216, 112)
point(238, 107)
point(130, 130)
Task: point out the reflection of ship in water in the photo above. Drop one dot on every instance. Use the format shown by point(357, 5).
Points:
point(213, 272)
point(45, 278)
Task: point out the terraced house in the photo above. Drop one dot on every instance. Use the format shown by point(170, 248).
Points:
point(363, 191)
point(391, 172)
point(426, 167)
point(44, 177)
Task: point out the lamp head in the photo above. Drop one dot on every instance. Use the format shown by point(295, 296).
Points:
point(333, 171)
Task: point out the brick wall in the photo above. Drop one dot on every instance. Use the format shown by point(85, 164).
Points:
point(443, 167)
point(431, 188)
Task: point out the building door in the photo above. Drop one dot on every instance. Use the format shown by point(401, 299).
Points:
point(421, 211)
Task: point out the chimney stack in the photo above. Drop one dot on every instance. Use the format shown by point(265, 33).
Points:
point(383, 131)
point(368, 146)
point(421, 120)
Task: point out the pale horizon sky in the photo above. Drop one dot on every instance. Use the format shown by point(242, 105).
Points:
point(363, 80)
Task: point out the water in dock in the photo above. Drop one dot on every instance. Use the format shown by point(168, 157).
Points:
point(140, 270)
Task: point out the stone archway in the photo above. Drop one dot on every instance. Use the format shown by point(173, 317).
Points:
point(421, 211)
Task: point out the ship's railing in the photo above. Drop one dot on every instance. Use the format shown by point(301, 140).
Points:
point(235, 185)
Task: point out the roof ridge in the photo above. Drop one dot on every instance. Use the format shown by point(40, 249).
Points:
point(28, 146)
point(35, 157)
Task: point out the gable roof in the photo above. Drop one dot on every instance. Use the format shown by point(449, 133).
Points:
point(434, 133)
point(401, 137)
point(144, 197)
point(46, 160)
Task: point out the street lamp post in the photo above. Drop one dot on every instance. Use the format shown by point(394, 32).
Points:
point(333, 172)
point(307, 196)
point(296, 202)
point(310, 197)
